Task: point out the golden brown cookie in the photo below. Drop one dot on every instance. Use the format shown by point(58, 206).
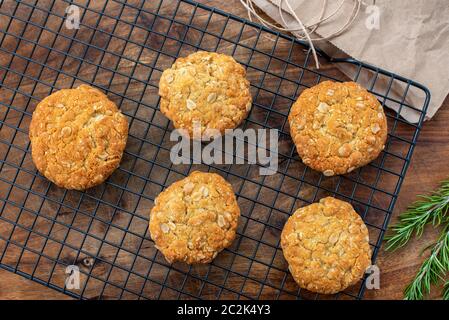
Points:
point(337, 127)
point(205, 90)
point(77, 137)
point(195, 218)
point(326, 245)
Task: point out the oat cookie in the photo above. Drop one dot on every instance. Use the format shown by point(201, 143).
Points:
point(77, 137)
point(205, 89)
point(195, 218)
point(337, 127)
point(326, 245)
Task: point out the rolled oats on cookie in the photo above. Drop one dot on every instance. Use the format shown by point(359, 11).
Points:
point(206, 89)
point(326, 245)
point(77, 137)
point(337, 127)
point(195, 218)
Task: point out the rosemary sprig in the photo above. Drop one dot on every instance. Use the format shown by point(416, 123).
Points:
point(446, 291)
point(432, 270)
point(432, 209)
point(429, 209)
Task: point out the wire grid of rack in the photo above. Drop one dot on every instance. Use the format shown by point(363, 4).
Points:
point(122, 47)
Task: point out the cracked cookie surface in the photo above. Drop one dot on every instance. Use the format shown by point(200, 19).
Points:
point(77, 137)
point(326, 245)
point(195, 218)
point(206, 90)
point(337, 127)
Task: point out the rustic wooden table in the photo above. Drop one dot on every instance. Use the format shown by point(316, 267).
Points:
point(429, 166)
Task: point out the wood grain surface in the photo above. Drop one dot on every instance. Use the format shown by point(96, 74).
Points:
point(428, 166)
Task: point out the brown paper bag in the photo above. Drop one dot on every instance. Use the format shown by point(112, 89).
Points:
point(410, 39)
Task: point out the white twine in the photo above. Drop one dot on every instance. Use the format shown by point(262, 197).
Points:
point(305, 30)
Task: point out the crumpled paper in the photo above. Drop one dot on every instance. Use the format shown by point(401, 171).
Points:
point(412, 40)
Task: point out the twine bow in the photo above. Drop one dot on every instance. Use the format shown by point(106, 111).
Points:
point(305, 30)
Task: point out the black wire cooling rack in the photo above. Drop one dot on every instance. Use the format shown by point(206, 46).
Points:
point(122, 47)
